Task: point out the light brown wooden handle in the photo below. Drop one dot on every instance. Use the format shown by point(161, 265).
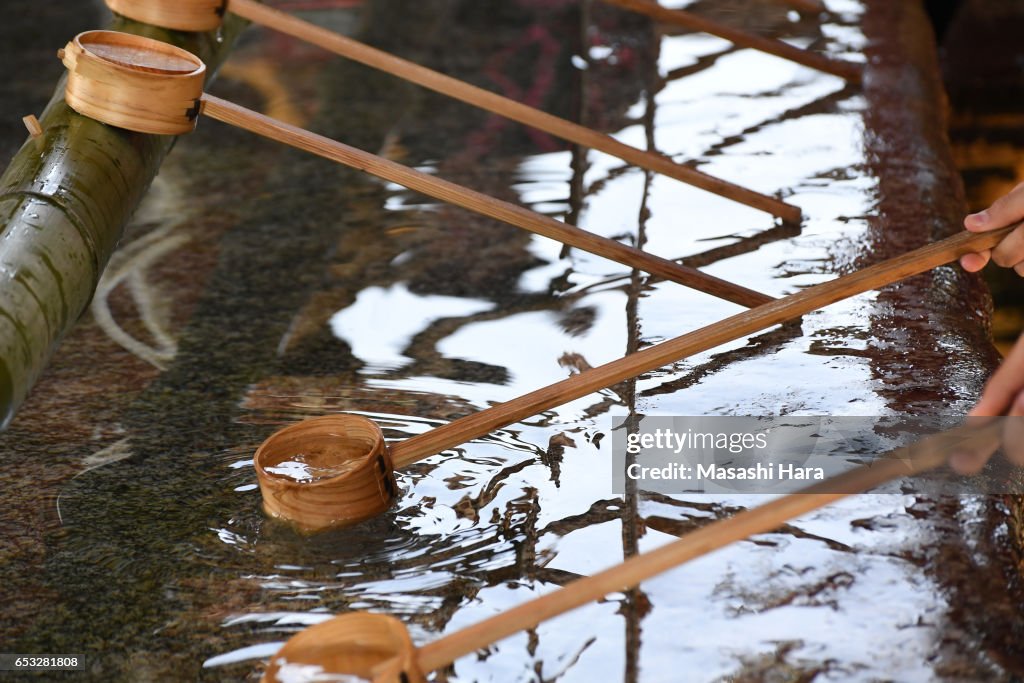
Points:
point(853, 73)
point(927, 454)
point(451, 193)
point(740, 325)
point(503, 106)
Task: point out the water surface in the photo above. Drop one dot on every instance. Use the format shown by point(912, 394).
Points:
point(257, 287)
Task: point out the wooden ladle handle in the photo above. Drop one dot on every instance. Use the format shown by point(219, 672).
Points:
point(451, 193)
point(922, 456)
point(508, 108)
point(740, 325)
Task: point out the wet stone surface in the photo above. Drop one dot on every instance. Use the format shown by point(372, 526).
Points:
point(258, 286)
point(981, 70)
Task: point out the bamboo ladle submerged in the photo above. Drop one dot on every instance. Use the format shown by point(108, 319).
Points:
point(152, 87)
point(205, 15)
point(378, 647)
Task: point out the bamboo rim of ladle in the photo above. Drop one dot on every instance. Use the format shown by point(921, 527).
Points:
point(195, 15)
point(133, 82)
point(329, 443)
point(334, 646)
point(375, 647)
point(180, 15)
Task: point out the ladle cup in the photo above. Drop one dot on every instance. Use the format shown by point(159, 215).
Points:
point(133, 82)
point(326, 471)
point(374, 647)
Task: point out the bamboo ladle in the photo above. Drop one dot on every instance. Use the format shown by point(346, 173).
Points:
point(378, 647)
point(204, 15)
point(152, 87)
point(356, 467)
point(853, 73)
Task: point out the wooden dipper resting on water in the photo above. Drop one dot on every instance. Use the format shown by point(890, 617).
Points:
point(363, 490)
point(345, 470)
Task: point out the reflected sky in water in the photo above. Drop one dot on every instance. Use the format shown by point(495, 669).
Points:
point(414, 314)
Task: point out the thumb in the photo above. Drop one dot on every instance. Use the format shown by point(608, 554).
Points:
point(1004, 211)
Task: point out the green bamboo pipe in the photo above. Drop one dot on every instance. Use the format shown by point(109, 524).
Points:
point(65, 199)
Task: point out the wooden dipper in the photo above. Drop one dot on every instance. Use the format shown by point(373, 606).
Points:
point(133, 82)
point(325, 472)
point(180, 15)
point(473, 426)
point(378, 648)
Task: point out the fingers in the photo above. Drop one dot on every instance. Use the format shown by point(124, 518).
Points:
point(1002, 390)
point(1013, 432)
point(1004, 211)
point(1010, 252)
point(1003, 395)
point(970, 461)
point(972, 263)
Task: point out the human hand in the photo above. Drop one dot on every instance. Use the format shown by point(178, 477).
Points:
point(1003, 395)
point(1010, 252)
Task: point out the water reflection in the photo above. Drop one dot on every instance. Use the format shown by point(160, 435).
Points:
point(395, 315)
point(324, 291)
